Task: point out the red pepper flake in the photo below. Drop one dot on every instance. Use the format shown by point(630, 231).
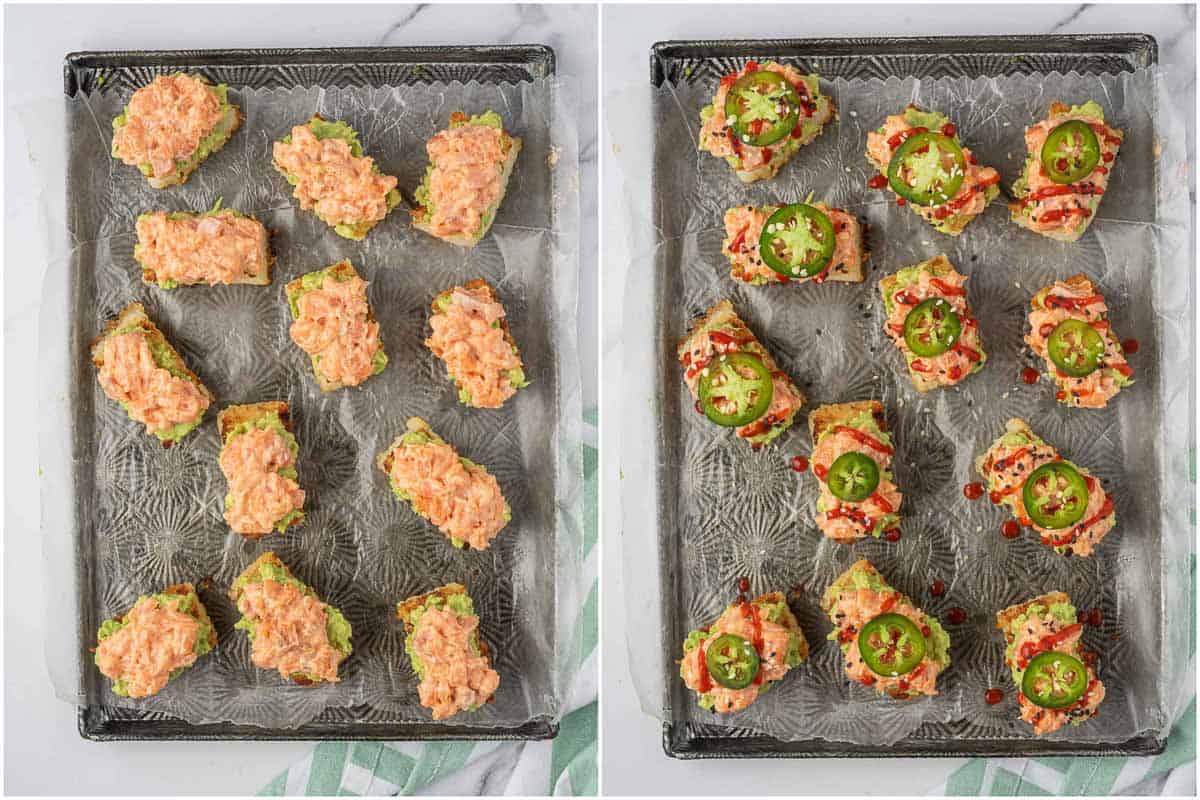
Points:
point(893, 535)
point(993, 696)
point(820, 470)
point(1130, 346)
point(1010, 529)
point(878, 182)
point(799, 463)
point(956, 616)
point(948, 129)
point(1108, 157)
point(973, 491)
point(937, 588)
point(900, 201)
point(743, 584)
point(1094, 617)
point(1029, 375)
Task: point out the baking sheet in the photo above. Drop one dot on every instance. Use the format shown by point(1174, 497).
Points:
point(722, 510)
point(147, 516)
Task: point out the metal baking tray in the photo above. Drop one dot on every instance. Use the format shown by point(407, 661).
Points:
point(850, 58)
point(367, 67)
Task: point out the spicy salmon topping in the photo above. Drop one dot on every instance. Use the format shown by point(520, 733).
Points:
point(462, 500)
point(744, 227)
point(456, 676)
point(469, 338)
point(216, 248)
point(466, 177)
point(335, 326)
point(150, 393)
point(338, 186)
point(166, 121)
point(290, 633)
point(154, 641)
point(259, 496)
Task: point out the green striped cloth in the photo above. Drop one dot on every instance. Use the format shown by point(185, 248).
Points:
point(1172, 773)
point(565, 765)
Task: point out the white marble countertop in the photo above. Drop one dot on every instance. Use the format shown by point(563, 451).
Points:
point(633, 759)
point(43, 752)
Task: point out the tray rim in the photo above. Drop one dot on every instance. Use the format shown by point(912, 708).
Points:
point(92, 723)
point(677, 741)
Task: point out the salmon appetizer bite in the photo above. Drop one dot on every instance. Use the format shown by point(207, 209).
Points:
point(1055, 681)
point(160, 637)
point(1069, 330)
point(851, 457)
point(920, 158)
point(930, 323)
point(761, 116)
point(798, 242)
point(750, 646)
point(448, 654)
point(457, 495)
point(1071, 153)
point(140, 369)
point(345, 189)
point(471, 337)
point(1063, 503)
point(186, 248)
point(172, 125)
point(734, 380)
point(886, 640)
point(469, 166)
point(258, 459)
point(290, 629)
point(333, 323)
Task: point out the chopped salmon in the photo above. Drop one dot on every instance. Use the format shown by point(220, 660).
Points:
point(852, 609)
point(466, 178)
point(150, 394)
point(772, 657)
point(338, 186)
point(261, 497)
point(216, 248)
point(456, 677)
point(290, 633)
point(468, 338)
point(463, 501)
point(154, 642)
point(334, 326)
point(166, 121)
point(1028, 638)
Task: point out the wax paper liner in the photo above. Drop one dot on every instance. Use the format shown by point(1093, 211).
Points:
point(701, 509)
point(122, 516)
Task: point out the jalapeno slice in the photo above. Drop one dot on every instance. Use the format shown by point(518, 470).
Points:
point(1075, 348)
point(931, 328)
point(1071, 151)
point(735, 389)
point(891, 644)
point(732, 661)
point(762, 107)
point(1054, 680)
point(927, 169)
point(797, 241)
point(853, 477)
point(1055, 495)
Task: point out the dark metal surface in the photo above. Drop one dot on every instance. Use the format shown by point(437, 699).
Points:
point(866, 58)
point(105, 71)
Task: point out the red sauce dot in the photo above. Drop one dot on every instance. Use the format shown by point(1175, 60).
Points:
point(1108, 157)
point(1010, 529)
point(877, 182)
point(948, 129)
point(973, 491)
point(1094, 617)
point(1089, 658)
point(956, 616)
point(743, 584)
point(799, 463)
point(925, 631)
point(1062, 165)
point(1130, 345)
point(1029, 375)
point(996, 497)
point(937, 588)
point(993, 696)
point(900, 201)
point(893, 535)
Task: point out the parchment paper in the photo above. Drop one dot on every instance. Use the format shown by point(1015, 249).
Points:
point(722, 510)
point(129, 517)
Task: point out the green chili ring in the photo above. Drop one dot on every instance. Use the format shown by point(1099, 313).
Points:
point(732, 661)
point(741, 113)
point(1076, 348)
point(1054, 680)
point(931, 328)
point(1055, 495)
point(853, 477)
point(740, 380)
point(891, 644)
point(1071, 152)
point(944, 184)
point(782, 236)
